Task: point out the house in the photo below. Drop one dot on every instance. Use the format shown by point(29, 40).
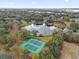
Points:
point(41, 29)
point(66, 30)
point(76, 33)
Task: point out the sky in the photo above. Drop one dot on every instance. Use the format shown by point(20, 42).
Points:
point(39, 3)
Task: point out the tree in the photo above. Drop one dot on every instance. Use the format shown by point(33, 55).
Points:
point(66, 18)
point(74, 26)
point(23, 35)
point(56, 45)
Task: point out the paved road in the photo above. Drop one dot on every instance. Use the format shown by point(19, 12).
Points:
point(70, 51)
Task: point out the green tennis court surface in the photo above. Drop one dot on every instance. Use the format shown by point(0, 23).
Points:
point(33, 45)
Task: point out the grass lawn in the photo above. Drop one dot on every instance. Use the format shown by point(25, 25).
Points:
point(46, 39)
point(1, 46)
point(77, 30)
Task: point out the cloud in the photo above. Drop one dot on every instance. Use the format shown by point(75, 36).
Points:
point(7, 4)
point(66, 0)
point(33, 2)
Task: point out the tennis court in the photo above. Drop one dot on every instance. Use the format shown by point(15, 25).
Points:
point(33, 45)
